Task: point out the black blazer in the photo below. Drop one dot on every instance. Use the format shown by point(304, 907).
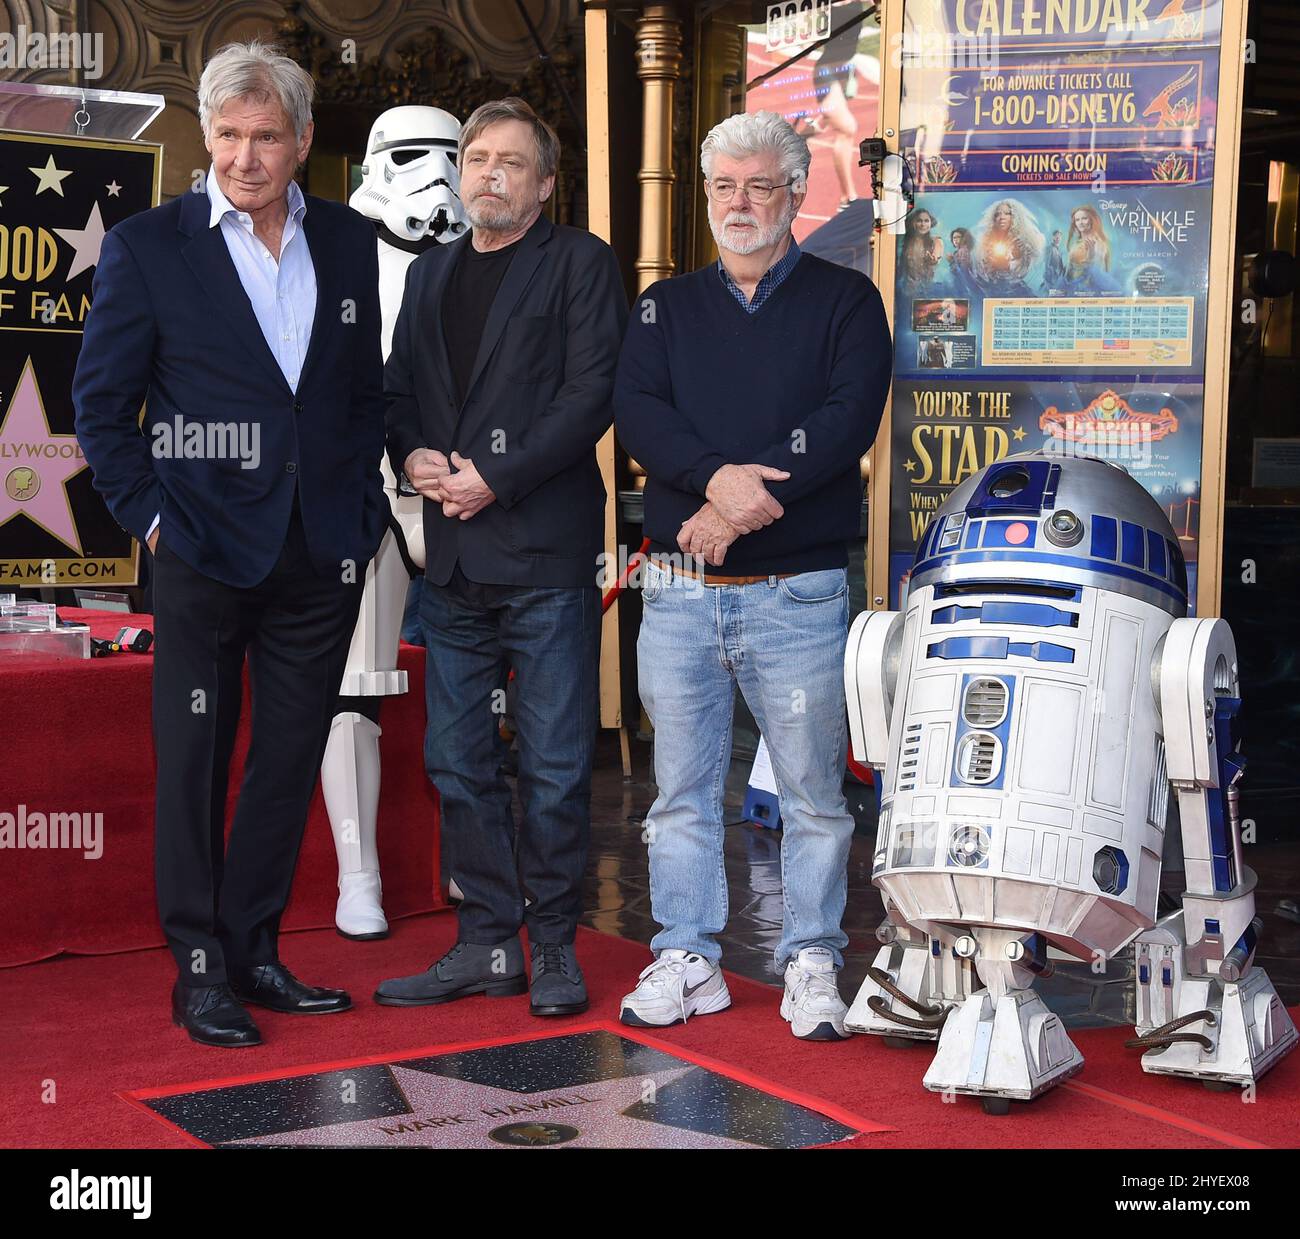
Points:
point(171, 322)
point(537, 403)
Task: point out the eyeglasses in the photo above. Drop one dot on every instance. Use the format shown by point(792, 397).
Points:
point(757, 192)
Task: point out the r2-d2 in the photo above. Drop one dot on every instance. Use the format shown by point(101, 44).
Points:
point(1034, 711)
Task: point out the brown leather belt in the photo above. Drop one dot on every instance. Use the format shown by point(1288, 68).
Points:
point(716, 578)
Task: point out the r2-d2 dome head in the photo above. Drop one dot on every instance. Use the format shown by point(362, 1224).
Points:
point(411, 184)
point(1042, 520)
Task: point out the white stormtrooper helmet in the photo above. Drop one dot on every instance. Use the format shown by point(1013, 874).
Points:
point(410, 183)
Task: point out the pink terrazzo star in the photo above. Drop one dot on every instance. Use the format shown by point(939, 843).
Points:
point(450, 1113)
point(35, 464)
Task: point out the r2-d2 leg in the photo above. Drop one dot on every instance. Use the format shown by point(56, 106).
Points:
point(912, 986)
point(1003, 1044)
point(1203, 1009)
point(350, 771)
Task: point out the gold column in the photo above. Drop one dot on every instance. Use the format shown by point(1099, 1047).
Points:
point(720, 69)
point(599, 221)
point(877, 466)
point(659, 60)
point(1219, 308)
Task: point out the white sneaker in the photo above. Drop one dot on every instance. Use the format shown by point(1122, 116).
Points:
point(359, 913)
point(675, 987)
point(812, 1004)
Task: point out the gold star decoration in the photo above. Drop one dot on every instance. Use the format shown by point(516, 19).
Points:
point(909, 465)
point(49, 177)
point(1018, 433)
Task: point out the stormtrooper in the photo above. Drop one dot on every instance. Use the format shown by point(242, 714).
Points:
point(411, 189)
point(1036, 711)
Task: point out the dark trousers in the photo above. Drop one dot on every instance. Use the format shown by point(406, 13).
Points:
point(220, 905)
point(475, 634)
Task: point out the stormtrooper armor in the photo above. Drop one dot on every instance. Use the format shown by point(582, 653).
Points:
point(411, 189)
point(1032, 712)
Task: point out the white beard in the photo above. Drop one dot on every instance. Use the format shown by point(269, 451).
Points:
point(760, 238)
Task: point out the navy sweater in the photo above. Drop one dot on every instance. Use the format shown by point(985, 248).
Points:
point(799, 384)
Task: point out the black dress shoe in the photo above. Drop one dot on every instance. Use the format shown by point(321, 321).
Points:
point(273, 986)
point(468, 968)
point(557, 987)
point(212, 1016)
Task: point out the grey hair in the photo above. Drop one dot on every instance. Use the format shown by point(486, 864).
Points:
point(255, 70)
point(749, 133)
point(514, 108)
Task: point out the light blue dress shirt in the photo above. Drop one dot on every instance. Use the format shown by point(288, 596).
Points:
point(282, 293)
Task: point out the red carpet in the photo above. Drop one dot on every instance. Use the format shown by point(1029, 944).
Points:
point(78, 738)
point(94, 1026)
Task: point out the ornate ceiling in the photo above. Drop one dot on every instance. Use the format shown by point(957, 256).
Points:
point(364, 54)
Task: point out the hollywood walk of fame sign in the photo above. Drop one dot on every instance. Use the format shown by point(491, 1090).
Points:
point(597, 1088)
point(58, 196)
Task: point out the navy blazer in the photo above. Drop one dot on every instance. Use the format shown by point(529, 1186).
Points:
point(171, 327)
point(538, 402)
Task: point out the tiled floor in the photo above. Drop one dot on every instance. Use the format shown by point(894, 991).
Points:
point(617, 895)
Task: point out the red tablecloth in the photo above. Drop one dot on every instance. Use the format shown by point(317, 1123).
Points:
point(76, 736)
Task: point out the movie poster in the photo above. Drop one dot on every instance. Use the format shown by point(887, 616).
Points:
point(1054, 278)
point(1021, 25)
point(947, 429)
point(818, 65)
point(1052, 274)
point(58, 198)
point(1133, 99)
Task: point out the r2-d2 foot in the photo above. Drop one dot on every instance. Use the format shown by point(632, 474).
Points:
point(1003, 1044)
point(910, 989)
point(1226, 1027)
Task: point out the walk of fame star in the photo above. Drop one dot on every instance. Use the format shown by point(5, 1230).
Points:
point(36, 464)
point(458, 1115)
point(592, 1089)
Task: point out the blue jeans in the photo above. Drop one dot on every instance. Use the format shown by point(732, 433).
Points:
point(783, 642)
point(474, 635)
point(412, 630)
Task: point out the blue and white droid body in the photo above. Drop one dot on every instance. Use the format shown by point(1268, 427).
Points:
point(1032, 711)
